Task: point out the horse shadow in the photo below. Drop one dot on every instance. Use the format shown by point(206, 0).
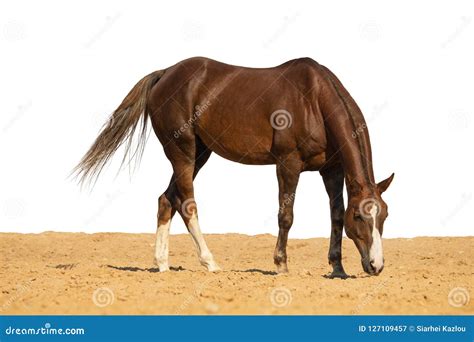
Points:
point(329, 276)
point(139, 269)
point(256, 270)
point(180, 268)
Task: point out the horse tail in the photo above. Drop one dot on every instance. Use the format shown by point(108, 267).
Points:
point(119, 129)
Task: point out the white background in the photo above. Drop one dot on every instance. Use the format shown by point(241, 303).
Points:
point(65, 67)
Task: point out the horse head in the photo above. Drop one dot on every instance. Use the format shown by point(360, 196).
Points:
point(363, 221)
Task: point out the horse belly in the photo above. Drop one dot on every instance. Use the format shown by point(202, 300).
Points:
point(315, 162)
point(237, 137)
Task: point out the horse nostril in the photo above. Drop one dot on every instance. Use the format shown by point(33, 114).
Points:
point(374, 268)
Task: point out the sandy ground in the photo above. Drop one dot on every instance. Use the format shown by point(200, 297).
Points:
point(64, 273)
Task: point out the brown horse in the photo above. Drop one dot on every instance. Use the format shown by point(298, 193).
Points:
point(297, 115)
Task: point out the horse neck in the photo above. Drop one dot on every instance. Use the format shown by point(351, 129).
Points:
point(348, 132)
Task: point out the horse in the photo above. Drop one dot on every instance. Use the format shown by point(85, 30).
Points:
point(297, 116)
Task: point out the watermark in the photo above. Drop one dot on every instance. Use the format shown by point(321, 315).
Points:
point(281, 119)
point(280, 297)
point(359, 129)
point(287, 200)
point(376, 111)
point(103, 296)
point(370, 31)
point(193, 296)
point(19, 113)
point(109, 22)
point(458, 297)
point(110, 198)
point(287, 21)
point(188, 207)
point(465, 198)
point(367, 205)
point(465, 21)
point(20, 291)
point(47, 329)
point(14, 208)
point(459, 119)
point(192, 31)
point(369, 297)
point(14, 31)
point(199, 110)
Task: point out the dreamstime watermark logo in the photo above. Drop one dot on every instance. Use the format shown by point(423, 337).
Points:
point(281, 119)
point(192, 30)
point(20, 291)
point(280, 297)
point(370, 30)
point(198, 111)
point(465, 199)
point(360, 128)
point(109, 22)
point(286, 201)
point(14, 208)
point(47, 329)
point(369, 297)
point(198, 290)
point(110, 198)
point(14, 31)
point(188, 207)
point(22, 109)
point(459, 119)
point(465, 21)
point(367, 205)
point(458, 297)
point(287, 21)
point(377, 110)
point(103, 296)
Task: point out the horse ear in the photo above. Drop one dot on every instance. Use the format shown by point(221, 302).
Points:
point(383, 185)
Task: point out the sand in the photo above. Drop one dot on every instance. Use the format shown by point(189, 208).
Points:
point(76, 273)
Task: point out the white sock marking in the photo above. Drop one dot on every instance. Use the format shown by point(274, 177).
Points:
point(205, 255)
point(162, 246)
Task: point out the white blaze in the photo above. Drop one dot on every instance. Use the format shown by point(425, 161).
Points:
point(376, 251)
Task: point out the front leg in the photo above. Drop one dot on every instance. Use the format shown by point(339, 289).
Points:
point(334, 183)
point(288, 173)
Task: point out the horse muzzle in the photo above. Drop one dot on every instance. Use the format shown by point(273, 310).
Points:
point(371, 267)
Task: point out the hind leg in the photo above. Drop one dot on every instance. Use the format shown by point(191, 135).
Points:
point(187, 156)
point(168, 203)
point(188, 212)
point(165, 214)
point(188, 207)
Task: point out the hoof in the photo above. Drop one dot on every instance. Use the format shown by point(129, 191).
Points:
point(214, 268)
point(162, 265)
point(282, 269)
point(211, 266)
point(338, 274)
